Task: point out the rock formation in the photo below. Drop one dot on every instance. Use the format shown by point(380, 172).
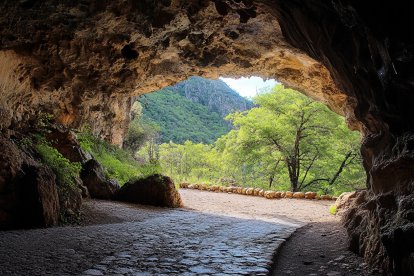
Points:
point(94, 179)
point(155, 190)
point(82, 61)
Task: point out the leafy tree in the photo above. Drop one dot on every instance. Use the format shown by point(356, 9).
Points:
point(304, 135)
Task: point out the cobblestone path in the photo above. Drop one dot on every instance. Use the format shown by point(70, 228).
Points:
point(147, 241)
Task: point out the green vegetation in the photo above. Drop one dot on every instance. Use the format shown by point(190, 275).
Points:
point(332, 210)
point(287, 142)
point(66, 172)
point(192, 110)
point(118, 164)
point(180, 119)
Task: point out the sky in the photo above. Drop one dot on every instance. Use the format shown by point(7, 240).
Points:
point(247, 87)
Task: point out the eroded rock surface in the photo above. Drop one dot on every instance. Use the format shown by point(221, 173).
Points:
point(155, 190)
point(28, 191)
point(368, 50)
point(97, 184)
point(82, 62)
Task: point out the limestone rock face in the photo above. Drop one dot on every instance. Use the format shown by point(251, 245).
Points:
point(93, 178)
point(66, 143)
point(28, 192)
point(83, 61)
point(156, 190)
point(367, 48)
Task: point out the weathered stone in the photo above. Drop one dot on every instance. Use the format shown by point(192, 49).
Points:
point(298, 195)
point(289, 194)
point(310, 195)
point(364, 49)
point(344, 201)
point(269, 194)
point(184, 185)
point(66, 143)
point(326, 197)
point(156, 190)
point(28, 191)
point(94, 179)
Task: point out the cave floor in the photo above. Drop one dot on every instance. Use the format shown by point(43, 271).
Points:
point(215, 234)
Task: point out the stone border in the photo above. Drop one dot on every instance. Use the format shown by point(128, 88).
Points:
point(257, 192)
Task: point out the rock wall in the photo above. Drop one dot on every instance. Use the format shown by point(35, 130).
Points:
point(82, 61)
point(368, 49)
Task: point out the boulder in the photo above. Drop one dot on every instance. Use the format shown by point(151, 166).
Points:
point(38, 200)
point(65, 141)
point(93, 178)
point(215, 188)
point(184, 185)
point(298, 195)
point(269, 194)
point(278, 195)
point(326, 197)
point(344, 201)
point(261, 193)
point(155, 190)
point(282, 194)
point(249, 191)
point(240, 190)
point(288, 194)
point(28, 190)
point(310, 195)
point(256, 191)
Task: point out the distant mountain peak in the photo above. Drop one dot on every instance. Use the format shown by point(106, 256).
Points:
point(193, 110)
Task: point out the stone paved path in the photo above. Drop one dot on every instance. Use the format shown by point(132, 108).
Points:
point(148, 241)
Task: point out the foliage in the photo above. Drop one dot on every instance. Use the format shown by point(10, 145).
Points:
point(286, 142)
point(191, 110)
point(332, 210)
point(118, 164)
point(181, 119)
point(140, 130)
point(66, 172)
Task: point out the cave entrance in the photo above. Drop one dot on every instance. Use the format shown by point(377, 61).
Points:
point(246, 136)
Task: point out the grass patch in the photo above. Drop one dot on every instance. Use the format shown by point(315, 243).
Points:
point(118, 164)
point(65, 171)
point(332, 210)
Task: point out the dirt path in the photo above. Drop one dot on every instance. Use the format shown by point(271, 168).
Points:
point(215, 234)
point(317, 248)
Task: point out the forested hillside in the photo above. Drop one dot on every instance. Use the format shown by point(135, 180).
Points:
point(192, 110)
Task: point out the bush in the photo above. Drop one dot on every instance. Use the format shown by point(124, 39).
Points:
point(65, 171)
point(117, 163)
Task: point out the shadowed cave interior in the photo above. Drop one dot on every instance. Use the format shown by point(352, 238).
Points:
point(84, 61)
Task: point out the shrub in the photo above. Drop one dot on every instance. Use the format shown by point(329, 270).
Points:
point(65, 171)
point(117, 163)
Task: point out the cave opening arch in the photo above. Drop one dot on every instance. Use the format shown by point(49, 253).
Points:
point(364, 53)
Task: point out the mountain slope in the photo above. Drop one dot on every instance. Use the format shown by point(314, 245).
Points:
point(193, 110)
point(215, 94)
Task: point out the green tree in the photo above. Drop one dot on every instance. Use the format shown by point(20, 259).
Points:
point(305, 136)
